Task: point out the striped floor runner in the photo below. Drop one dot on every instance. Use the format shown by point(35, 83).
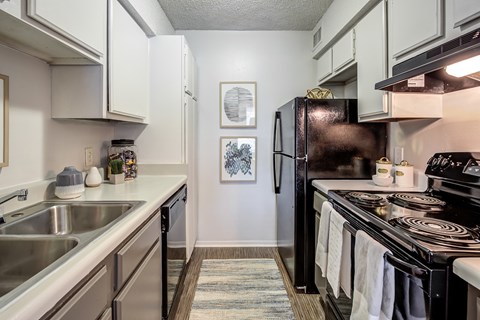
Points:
point(237, 289)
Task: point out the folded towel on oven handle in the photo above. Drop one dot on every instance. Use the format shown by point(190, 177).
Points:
point(321, 254)
point(374, 281)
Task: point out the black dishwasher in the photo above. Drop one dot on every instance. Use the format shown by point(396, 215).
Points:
point(173, 247)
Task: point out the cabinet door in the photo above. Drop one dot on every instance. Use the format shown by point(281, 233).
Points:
point(191, 153)
point(90, 301)
point(324, 65)
point(465, 11)
point(344, 51)
point(68, 18)
point(128, 65)
point(188, 70)
point(413, 23)
point(141, 298)
point(371, 50)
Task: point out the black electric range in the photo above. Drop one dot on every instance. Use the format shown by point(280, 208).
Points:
point(425, 231)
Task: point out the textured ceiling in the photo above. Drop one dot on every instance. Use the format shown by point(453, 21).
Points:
point(244, 14)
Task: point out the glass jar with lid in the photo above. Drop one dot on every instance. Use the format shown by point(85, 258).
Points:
point(126, 150)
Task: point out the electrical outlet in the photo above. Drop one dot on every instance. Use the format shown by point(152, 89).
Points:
point(88, 156)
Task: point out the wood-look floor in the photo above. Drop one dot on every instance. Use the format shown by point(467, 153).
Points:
point(305, 306)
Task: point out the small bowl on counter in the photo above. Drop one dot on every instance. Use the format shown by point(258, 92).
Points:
point(382, 180)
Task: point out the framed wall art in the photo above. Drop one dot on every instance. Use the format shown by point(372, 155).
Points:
point(238, 159)
point(238, 104)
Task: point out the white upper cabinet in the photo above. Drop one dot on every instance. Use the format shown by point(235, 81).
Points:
point(465, 11)
point(340, 17)
point(128, 67)
point(324, 65)
point(189, 69)
point(335, 64)
point(116, 90)
point(56, 31)
point(344, 51)
point(371, 53)
point(80, 21)
point(412, 24)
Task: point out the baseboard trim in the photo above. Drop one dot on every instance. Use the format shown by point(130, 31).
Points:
point(235, 244)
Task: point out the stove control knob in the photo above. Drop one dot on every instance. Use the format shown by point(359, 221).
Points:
point(435, 163)
point(446, 163)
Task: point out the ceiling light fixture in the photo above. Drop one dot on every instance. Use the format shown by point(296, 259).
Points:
point(464, 67)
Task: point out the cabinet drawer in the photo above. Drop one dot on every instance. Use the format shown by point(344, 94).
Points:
point(141, 298)
point(90, 301)
point(127, 258)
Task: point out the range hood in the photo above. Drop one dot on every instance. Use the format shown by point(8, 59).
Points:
point(426, 72)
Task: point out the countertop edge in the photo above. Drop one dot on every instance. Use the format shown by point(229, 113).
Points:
point(44, 294)
point(468, 269)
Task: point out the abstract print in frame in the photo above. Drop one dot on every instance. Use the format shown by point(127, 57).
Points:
point(238, 159)
point(238, 104)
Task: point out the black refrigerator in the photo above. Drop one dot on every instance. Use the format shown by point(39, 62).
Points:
point(316, 139)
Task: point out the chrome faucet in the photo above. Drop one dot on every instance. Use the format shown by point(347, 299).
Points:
point(20, 194)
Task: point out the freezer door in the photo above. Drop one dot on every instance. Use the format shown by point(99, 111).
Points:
point(285, 133)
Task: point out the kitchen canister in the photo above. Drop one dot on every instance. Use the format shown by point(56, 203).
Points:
point(69, 183)
point(404, 174)
point(383, 167)
point(126, 150)
point(93, 179)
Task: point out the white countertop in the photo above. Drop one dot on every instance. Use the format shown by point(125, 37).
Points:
point(468, 269)
point(420, 185)
point(44, 294)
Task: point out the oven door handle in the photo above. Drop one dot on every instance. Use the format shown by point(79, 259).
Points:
point(406, 267)
point(395, 262)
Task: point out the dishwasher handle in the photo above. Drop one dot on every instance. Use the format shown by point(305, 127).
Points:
point(173, 209)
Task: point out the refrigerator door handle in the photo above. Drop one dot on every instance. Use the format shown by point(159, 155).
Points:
point(305, 158)
point(276, 183)
point(277, 134)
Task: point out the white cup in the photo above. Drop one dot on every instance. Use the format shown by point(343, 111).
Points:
point(383, 167)
point(404, 174)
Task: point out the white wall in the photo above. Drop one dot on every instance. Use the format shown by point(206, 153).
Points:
point(281, 64)
point(458, 130)
point(39, 146)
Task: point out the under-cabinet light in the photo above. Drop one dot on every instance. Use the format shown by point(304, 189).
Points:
point(464, 67)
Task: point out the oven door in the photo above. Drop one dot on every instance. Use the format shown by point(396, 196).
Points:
point(420, 290)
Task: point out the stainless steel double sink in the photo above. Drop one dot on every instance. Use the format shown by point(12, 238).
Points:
point(37, 239)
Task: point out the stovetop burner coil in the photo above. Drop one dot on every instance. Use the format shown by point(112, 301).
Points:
point(437, 231)
point(416, 201)
point(366, 199)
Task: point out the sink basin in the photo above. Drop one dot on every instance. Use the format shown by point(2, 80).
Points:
point(37, 239)
point(57, 218)
point(23, 258)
